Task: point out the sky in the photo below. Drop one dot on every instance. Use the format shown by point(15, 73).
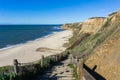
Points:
point(54, 11)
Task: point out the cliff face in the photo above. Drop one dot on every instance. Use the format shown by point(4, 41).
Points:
point(89, 26)
point(72, 26)
point(92, 25)
point(107, 58)
point(107, 55)
point(116, 17)
point(102, 46)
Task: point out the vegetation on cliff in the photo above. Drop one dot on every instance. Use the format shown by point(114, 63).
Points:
point(72, 26)
point(87, 42)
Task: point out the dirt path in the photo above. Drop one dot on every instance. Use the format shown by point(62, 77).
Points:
point(59, 72)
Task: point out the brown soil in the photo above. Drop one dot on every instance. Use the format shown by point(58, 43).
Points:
point(107, 58)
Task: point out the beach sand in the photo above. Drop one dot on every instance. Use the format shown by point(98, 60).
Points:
point(50, 45)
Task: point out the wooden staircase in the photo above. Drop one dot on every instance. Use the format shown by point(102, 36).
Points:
point(61, 71)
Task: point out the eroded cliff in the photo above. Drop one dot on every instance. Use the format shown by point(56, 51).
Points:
point(102, 45)
point(72, 26)
point(92, 25)
point(107, 56)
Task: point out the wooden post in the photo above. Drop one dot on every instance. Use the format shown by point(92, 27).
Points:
point(15, 62)
point(56, 58)
point(76, 62)
point(76, 58)
point(71, 58)
point(80, 69)
point(42, 61)
point(60, 56)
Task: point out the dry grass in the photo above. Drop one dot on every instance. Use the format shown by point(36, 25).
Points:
point(107, 58)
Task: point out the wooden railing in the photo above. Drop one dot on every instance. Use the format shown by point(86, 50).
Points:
point(32, 68)
point(82, 73)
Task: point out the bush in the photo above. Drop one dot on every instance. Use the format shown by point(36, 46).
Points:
point(74, 71)
point(6, 69)
point(47, 62)
point(8, 76)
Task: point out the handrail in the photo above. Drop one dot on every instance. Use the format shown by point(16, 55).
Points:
point(19, 67)
point(82, 73)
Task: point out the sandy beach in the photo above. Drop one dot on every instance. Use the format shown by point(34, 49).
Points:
point(27, 52)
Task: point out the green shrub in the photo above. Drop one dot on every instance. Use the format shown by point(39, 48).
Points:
point(107, 22)
point(74, 71)
point(47, 62)
point(8, 76)
point(6, 69)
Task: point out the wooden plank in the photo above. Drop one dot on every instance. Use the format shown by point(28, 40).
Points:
point(42, 61)
point(80, 69)
point(15, 62)
point(88, 76)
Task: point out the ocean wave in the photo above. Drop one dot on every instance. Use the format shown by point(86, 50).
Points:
point(10, 46)
point(57, 27)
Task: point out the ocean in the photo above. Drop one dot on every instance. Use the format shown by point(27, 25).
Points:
point(14, 35)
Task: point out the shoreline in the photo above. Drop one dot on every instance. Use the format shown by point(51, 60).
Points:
point(19, 44)
point(27, 52)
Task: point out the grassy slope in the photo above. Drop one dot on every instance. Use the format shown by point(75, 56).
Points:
point(92, 43)
point(107, 57)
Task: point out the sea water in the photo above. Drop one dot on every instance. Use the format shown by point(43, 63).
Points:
point(14, 35)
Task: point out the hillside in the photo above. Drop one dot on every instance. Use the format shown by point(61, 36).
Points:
point(72, 26)
point(92, 25)
point(107, 57)
point(99, 39)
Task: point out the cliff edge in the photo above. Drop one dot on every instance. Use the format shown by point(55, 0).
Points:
point(99, 40)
